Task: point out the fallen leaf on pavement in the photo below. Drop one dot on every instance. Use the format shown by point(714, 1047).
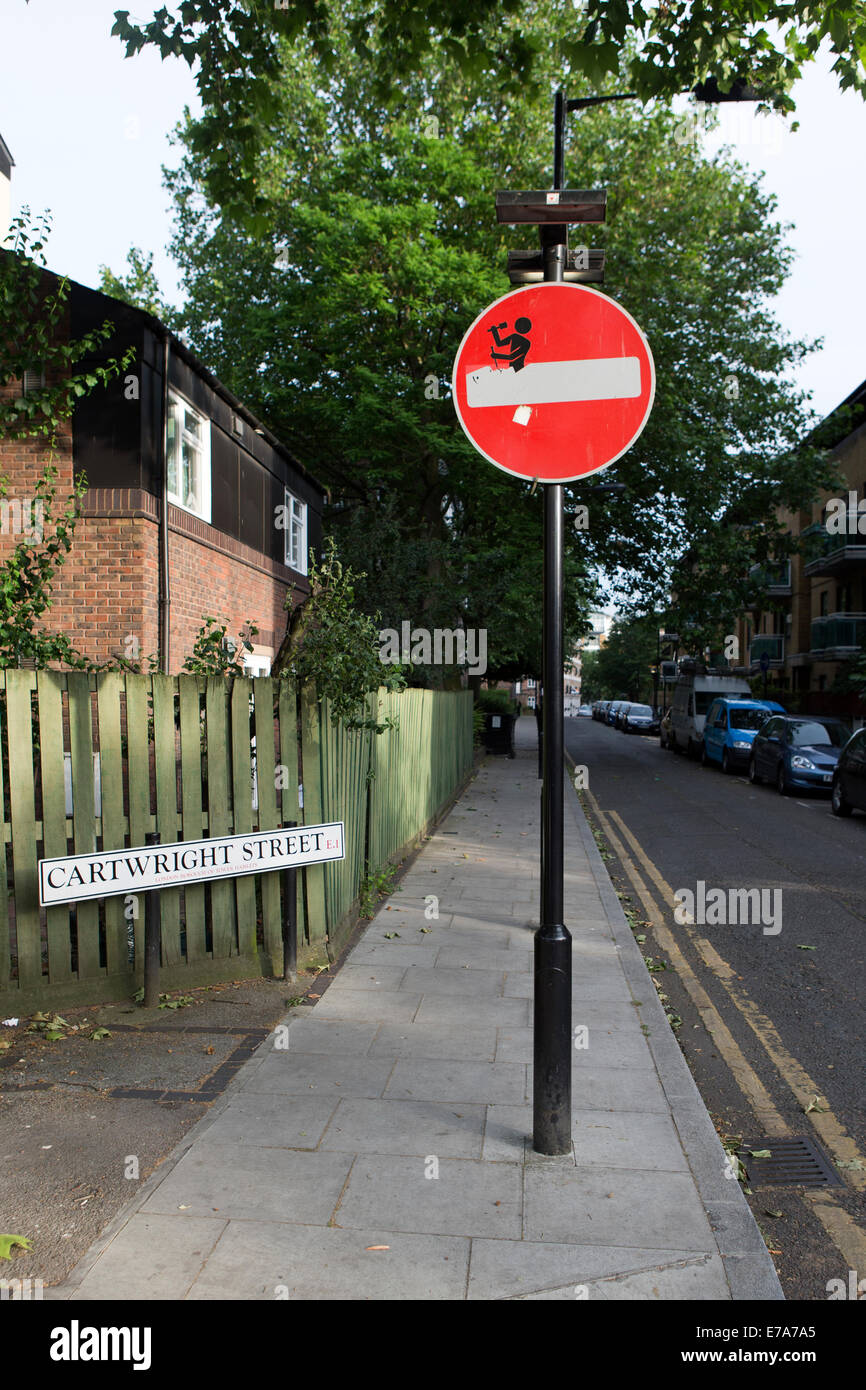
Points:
point(7, 1242)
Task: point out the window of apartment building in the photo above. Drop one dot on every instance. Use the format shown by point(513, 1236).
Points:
point(33, 381)
point(843, 598)
point(255, 664)
point(296, 533)
point(188, 457)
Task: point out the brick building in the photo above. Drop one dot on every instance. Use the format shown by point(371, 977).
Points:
point(192, 506)
point(809, 616)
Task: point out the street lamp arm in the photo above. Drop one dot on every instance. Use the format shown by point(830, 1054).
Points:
point(707, 91)
point(580, 103)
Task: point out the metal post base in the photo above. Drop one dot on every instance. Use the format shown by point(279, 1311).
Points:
point(552, 1041)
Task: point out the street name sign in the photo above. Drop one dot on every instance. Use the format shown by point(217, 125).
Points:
point(79, 877)
point(553, 382)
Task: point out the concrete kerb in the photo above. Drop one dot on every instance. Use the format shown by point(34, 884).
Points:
point(748, 1265)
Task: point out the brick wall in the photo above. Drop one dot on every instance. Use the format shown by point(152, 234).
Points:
point(106, 597)
point(232, 589)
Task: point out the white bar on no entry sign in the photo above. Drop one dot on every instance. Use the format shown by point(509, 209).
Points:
point(549, 383)
point(78, 877)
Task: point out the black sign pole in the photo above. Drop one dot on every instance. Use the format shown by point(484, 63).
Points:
point(552, 1016)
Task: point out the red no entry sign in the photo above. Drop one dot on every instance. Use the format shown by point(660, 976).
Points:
point(553, 382)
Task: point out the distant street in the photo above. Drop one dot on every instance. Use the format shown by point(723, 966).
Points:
point(767, 1026)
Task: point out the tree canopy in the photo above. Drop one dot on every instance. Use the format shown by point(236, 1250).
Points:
point(621, 669)
point(656, 50)
point(339, 321)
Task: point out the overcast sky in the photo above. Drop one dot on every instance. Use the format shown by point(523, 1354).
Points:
point(88, 130)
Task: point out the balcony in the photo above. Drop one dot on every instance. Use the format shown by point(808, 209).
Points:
point(830, 553)
point(838, 635)
point(771, 644)
point(772, 581)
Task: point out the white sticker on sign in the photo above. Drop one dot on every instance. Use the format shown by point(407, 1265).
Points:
point(549, 383)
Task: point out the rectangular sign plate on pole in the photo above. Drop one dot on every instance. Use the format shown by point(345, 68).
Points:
point(78, 877)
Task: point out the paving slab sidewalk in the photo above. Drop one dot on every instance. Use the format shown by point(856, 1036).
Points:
point(385, 1153)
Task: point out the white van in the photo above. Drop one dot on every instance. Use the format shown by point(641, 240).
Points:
point(694, 692)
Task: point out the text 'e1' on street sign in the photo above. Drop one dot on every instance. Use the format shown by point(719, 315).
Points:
point(553, 382)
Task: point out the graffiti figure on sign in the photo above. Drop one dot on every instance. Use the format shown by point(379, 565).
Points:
point(517, 343)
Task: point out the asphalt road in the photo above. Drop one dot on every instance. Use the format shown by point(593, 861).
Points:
point(775, 1034)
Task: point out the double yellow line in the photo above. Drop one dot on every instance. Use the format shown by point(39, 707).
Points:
point(655, 895)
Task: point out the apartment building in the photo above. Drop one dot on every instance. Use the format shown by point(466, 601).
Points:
point(808, 618)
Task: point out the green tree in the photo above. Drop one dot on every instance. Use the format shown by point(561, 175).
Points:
point(236, 47)
point(590, 682)
point(215, 655)
point(340, 323)
point(331, 645)
point(138, 287)
point(622, 667)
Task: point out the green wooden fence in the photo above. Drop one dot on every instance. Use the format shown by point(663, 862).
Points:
point(96, 762)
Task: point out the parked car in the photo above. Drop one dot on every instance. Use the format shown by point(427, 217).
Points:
point(848, 791)
point(585, 711)
point(640, 719)
point(693, 694)
point(624, 707)
point(729, 729)
point(798, 752)
point(610, 715)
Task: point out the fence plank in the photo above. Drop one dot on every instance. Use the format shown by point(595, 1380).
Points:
point(317, 921)
point(5, 934)
point(83, 812)
point(289, 807)
point(138, 689)
point(242, 793)
point(49, 687)
point(222, 896)
point(165, 763)
point(191, 809)
point(109, 688)
point(19, 723)
point(272, 928)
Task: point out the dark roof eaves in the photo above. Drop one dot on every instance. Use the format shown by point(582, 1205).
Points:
point(187, 355)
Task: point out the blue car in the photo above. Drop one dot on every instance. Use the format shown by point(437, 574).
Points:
point(730, 727)
point(798, 752)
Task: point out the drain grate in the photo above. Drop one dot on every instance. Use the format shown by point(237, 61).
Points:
point(792, 1163)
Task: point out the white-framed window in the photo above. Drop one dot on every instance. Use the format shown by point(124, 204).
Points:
point(188, 457)
point(296, 533)
point(256, 664)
